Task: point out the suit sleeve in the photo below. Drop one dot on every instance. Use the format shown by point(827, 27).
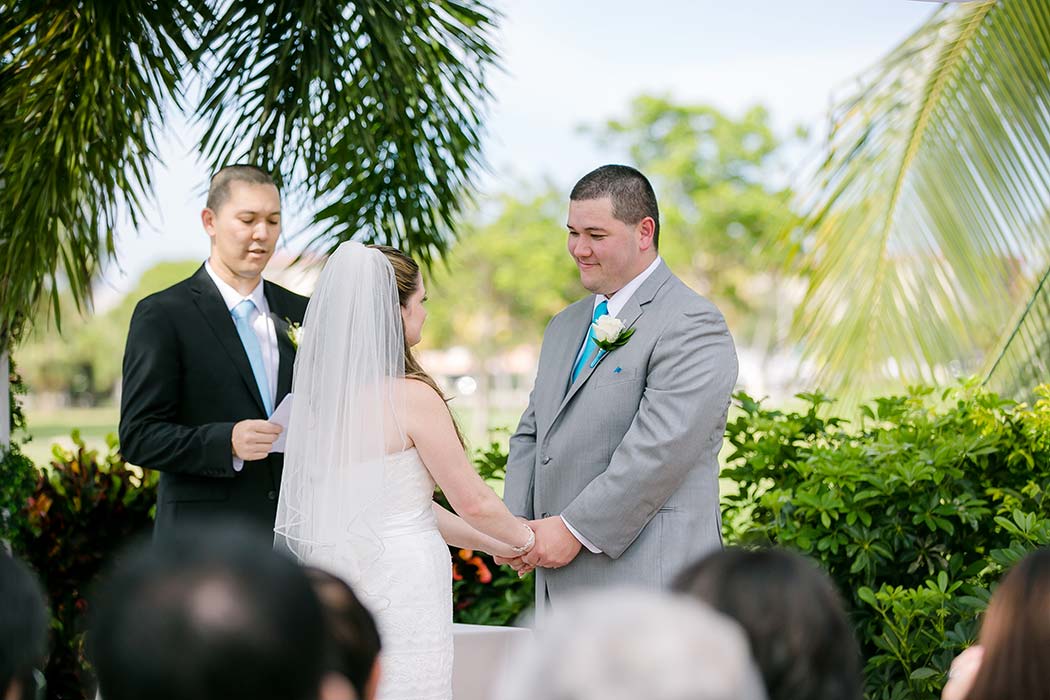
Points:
point(521, 464)
point(681, 418)
point(149, 434)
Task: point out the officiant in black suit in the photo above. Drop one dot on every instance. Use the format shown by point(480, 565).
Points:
point(207, 361)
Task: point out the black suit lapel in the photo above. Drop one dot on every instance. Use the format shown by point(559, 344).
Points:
point(209, 302)
point(284, 342)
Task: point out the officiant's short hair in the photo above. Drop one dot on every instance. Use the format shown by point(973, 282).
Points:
point(207, 613)
point(219, 189)
point(631, 193)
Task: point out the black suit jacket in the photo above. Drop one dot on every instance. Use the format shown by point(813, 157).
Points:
point(187, 380)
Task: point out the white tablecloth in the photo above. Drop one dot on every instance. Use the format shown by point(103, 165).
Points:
point(480, 653)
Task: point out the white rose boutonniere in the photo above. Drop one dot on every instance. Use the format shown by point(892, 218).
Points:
point(295, 332)
point(609, 333)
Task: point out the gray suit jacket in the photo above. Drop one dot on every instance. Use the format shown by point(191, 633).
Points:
point(629, 453)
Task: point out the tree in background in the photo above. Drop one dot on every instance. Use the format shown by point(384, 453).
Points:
point(723, 204)
point(926, 231)
point(503, 281)
point(85, 358)
point(370, 108)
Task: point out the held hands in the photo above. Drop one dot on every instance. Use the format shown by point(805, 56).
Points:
point(555, 547)
point(252, 439)
point(512, 557)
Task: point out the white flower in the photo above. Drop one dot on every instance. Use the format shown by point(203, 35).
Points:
point(295, 333)
point(607, 329)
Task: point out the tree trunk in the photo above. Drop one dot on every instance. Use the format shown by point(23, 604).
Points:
point(5, 403)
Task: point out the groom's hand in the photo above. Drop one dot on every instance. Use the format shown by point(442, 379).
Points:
point(555, 545)
point(252, 439)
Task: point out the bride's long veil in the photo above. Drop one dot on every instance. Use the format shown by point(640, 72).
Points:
point(351, 353)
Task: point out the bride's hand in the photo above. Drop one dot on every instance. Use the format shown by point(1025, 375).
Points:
point(514, 562)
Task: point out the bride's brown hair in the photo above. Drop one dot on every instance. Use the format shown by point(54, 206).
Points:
point(407, 275)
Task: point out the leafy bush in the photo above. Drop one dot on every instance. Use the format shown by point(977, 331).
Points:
point(484, 593)
point(915, 514)
point(18, 476)
point(85, 508)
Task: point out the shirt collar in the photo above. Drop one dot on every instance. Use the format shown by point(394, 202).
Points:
point(619, 299)
point(232, 297)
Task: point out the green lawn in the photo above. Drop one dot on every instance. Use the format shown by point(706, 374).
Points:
point(48, 427)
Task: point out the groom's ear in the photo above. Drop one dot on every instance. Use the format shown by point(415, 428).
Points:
point(646, 229)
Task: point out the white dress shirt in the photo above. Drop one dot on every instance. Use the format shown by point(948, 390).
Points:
point(616, 303)
point(263, 327)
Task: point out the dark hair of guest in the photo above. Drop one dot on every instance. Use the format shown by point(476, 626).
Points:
point(352, 637)
point(23, 626)
point(794, 619)
point(1015, 634)
point(207, 613)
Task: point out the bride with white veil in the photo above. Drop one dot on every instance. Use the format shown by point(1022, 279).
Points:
point(369, 437)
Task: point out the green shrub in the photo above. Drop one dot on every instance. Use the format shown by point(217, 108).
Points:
point(18, 476)
point(915, 513)
point(85, 508)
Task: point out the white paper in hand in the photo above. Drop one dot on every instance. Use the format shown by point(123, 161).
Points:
point(281, 415)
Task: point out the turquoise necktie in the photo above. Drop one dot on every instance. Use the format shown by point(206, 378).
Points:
point(241, 315)
point(589, 345)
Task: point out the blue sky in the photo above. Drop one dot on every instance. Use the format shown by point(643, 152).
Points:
point(574, 62)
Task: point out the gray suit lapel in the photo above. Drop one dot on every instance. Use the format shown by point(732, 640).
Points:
point(629, 315)
point(577, 325)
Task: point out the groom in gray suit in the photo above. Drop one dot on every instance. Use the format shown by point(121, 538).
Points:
point(615, 460)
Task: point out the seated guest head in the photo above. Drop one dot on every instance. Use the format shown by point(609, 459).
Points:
point(1015, 635)
point(23, 629)
point(208, 613)
point(794, 619)
point(352, 637)
point(625, 644)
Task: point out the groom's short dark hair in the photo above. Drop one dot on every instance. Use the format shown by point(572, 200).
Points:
point(207, 614)
point(632, 195)
point(219, 189)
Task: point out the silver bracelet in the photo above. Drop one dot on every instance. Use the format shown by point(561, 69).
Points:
point(529, 544)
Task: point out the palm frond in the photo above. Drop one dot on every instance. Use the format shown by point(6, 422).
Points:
point(81, 90)
point(925, 227)
point(374, 106)
point(1023, 361)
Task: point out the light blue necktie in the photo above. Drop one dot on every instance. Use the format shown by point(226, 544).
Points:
point(241, 315)
point(589, 345)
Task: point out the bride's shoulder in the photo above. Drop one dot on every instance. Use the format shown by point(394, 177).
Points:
point(417, 390)
point(423, 405)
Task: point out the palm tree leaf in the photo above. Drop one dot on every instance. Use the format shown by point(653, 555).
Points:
point(1023, 361)
point(925, 227)
point(81, 88)
point(373, 107)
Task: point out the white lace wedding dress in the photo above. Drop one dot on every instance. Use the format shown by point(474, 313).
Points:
point(415, 623)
